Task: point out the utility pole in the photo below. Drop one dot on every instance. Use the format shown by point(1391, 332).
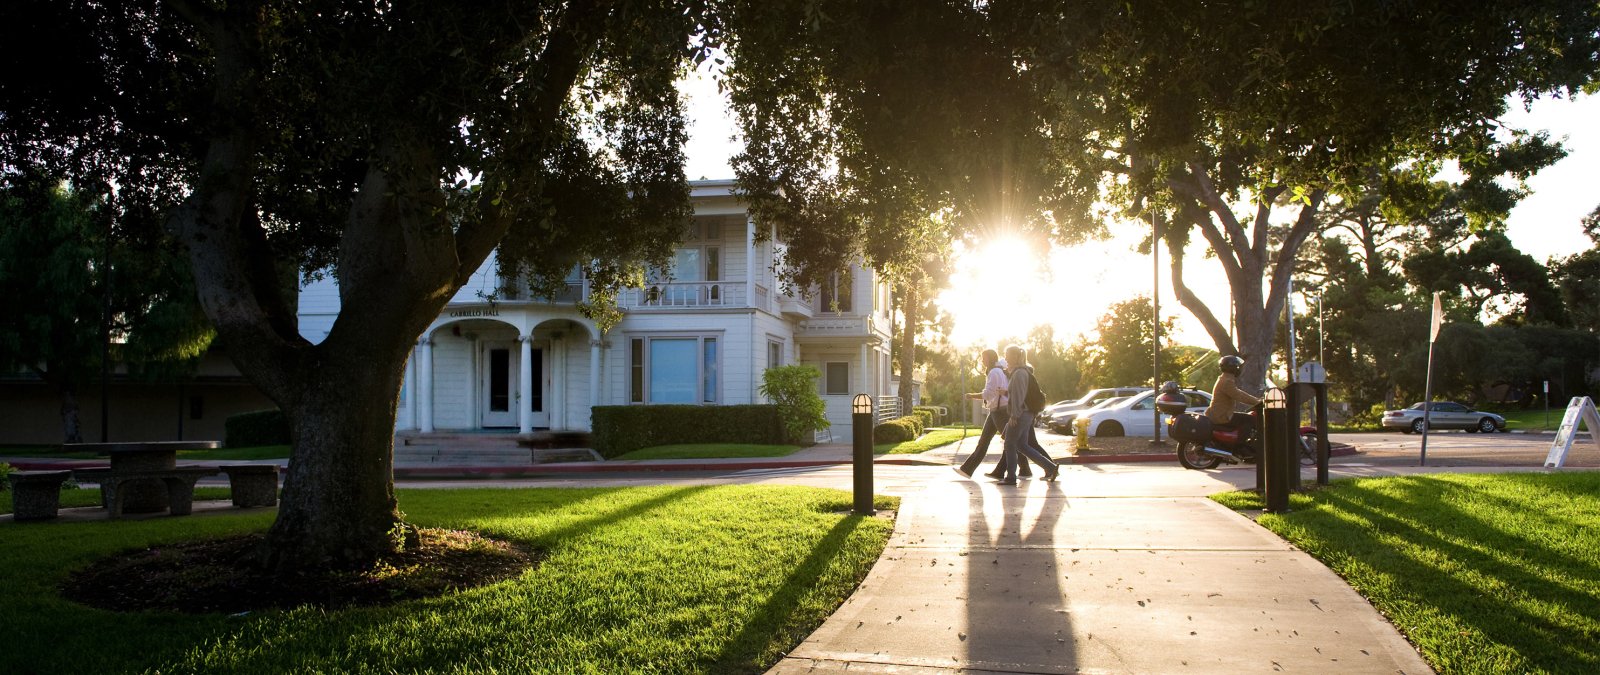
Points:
point(1155, 319)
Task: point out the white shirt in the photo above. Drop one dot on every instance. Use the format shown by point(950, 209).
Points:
point(994, 387)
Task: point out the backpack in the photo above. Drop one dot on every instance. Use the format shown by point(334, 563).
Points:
point(1034, 401)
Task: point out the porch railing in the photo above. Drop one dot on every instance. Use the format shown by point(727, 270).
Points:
point(685, 294)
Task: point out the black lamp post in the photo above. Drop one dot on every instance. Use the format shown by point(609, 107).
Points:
point(861, 431)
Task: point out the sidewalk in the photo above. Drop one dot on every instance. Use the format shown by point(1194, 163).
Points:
point(1118, 569)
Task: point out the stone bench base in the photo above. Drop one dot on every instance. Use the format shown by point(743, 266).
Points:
point(36, 495)
point(253, 485)
point(178, 481)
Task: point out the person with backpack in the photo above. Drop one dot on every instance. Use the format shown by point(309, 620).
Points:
point(1019, 422)
point(994, 403)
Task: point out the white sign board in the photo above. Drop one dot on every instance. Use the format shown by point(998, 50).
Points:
point(1312, 372)
point(1582, 408)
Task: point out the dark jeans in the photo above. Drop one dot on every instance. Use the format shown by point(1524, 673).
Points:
point(991, 426)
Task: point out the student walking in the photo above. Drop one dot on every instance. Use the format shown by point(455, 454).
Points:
point(1020, 420)
point(994, 403)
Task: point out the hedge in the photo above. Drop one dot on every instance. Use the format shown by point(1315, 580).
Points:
point(621, 429)
point(898, 430)
point(251, 429)
point(933, 414)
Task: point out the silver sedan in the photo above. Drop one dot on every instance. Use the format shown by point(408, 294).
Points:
point(1444, 415)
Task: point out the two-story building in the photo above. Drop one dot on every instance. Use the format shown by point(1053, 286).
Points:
point(497, 359)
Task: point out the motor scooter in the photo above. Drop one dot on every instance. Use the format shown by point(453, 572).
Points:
point(1203, 445)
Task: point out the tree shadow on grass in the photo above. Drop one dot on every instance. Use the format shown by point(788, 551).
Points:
point(774, 622)
point(1540, 642)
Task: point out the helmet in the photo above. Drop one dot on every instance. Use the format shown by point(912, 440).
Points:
point(1231, 364)
point(1170, 387)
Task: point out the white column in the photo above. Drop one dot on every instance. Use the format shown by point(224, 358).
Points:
point(595, 353)
point(525, 386)
point(866, 380)
point(558, 384)
point(425, 385)
point(411, 391)
point(750, 262)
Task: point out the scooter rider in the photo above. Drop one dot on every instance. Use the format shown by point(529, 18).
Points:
point(1226, 395)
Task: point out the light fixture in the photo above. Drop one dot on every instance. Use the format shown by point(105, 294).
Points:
point(861, 405)
point(1275, 399)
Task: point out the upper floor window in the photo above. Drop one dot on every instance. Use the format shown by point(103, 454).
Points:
point(836, 292)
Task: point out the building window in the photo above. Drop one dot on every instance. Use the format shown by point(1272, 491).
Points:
point(636, 370)
point(837, 381)
point(674, 369)
point(774, 353)
point(836, 292)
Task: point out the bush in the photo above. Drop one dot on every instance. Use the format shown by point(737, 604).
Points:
point(794, 390)
point(251, 429)
point(621, 429)
point(934, 418)
point(5, 471)
point(898, 430)
point(924, 414)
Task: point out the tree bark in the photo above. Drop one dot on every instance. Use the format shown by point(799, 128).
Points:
point(908, 346)
point(71, 421)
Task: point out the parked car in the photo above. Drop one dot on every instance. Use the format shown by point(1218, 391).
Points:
point(1135, 415)
point(1445, 415)
point(1062, 422)
point(1095, 397)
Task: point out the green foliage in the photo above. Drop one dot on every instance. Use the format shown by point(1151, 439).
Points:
point(621, 429)
point(1119, 353)
point(263, 427)
point(930, 415)
point(5, 471)
point(793, 389)
point(1447, 558)
point(661, 579)
point(898, 430)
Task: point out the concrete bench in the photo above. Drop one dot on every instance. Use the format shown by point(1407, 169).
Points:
point(253, 485)
point(179, 482)
point(36, 495)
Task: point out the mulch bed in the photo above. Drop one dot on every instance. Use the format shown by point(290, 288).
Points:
point(219, 576)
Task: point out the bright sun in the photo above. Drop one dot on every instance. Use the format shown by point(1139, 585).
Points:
point(1004, 287)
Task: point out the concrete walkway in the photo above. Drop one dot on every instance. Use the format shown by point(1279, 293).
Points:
point(1113, 569)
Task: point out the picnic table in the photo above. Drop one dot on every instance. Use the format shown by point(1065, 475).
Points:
point(148, 493)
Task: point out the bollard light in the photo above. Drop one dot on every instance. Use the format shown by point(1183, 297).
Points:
point(1275, 399)
point(861, 452)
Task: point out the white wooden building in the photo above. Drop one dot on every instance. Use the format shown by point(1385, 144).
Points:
point(521, 364)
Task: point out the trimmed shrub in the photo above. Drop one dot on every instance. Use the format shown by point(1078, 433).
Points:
point(934, 418)
point(621, 429)
point(923, 414)
point(794, 390)
point(251, 429)
point(5, 470)
point(898, 430)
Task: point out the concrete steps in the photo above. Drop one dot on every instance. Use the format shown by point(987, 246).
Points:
point(491, 449)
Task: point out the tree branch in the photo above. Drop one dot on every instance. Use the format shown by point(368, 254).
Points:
point(1283, 265)
point(1190, 301)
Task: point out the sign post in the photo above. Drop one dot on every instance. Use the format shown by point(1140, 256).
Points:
point(1427, 387)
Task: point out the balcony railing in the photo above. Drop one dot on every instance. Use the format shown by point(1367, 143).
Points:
point(685, 294)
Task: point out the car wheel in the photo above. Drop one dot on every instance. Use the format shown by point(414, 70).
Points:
point(1487, 425)
point(1418, 426)
point(1109, 429)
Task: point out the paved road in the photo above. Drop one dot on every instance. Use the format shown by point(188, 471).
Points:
point(1459, 448)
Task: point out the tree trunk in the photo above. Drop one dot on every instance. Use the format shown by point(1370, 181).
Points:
point(908, 347)
point(341, 462)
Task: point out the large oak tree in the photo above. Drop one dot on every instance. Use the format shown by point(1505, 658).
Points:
point(392, 145)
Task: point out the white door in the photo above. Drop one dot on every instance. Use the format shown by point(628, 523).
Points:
point(497, 389)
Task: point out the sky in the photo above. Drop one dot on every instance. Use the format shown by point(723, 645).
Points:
point(1078, 284)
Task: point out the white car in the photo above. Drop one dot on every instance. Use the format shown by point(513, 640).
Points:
point(1049, 416)
point(1062, 422)
point(1135, 415)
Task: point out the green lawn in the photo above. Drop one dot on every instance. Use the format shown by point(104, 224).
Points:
point(71, 498)
point(638, 580)
point(251, 453)
point(710, 451)
point(931, 439)
point(1490, 573)
point(1535, 420)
